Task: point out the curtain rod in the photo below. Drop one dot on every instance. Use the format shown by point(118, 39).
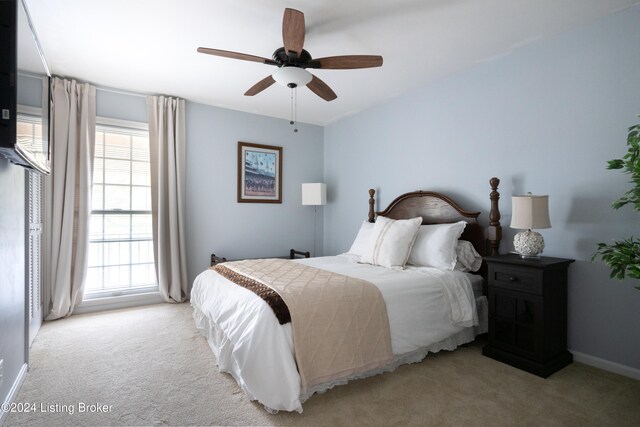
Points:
point(100, 87)
point(122, 91)
point(130, 93)
point(109, 89)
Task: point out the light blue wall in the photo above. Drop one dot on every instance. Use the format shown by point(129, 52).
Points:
point(117, 105)
point(544, 119)
point(215, 221)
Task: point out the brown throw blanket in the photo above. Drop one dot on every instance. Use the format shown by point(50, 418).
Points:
point(271, 297)
point(339, 323)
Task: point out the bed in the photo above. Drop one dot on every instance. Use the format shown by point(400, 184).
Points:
point(419, 309)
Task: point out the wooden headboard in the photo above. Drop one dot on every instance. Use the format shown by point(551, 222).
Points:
point(436, 208)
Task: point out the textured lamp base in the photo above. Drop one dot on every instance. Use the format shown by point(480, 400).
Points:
point(529, 244)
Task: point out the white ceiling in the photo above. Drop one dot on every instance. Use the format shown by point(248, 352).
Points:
point(150, 45)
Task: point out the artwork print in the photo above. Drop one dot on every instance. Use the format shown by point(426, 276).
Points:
point(259, 173)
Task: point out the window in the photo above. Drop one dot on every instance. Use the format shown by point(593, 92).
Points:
point(29, 135)
point(120, 245)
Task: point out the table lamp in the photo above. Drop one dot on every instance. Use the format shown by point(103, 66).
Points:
point(529, 212)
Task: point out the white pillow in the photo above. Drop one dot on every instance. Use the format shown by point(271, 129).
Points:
point(435, 245)
point(391, 242)
point(468, 258)
point(361, 243)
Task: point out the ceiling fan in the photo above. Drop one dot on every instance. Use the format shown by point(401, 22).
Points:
point(292, 60)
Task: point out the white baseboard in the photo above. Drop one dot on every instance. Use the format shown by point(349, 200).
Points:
point(122, 301)
point(606, 365)
point(13, 393)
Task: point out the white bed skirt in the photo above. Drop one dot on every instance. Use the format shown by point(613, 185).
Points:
point(222, 348)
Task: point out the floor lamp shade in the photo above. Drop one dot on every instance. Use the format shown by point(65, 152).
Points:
point(529, 212)
point(314, 194)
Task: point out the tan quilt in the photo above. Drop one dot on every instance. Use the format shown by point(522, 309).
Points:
point(339, 323)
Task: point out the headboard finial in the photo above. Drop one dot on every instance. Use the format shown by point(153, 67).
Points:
point(372, 202)
point(494, 231)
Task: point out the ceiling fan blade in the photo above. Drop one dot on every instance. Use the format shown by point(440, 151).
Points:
point(321, 89)
point(260, 86)
point(236, 55)
point(293, 32)
point(347, 62)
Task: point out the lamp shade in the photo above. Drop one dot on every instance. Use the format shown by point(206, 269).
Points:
point(314, 194)
point(530, 212)
point(292, 76)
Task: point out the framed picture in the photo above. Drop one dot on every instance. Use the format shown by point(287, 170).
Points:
point(259, 173)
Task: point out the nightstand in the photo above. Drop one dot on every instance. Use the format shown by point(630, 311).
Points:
point(528, 313)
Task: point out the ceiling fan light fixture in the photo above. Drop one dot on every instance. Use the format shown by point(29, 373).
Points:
point(291, 76)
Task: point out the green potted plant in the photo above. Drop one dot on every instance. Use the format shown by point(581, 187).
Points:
point(623, 257)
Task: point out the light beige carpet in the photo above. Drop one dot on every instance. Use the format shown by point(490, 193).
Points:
point(150, 366)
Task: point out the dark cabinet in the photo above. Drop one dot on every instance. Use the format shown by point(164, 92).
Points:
point(528, 313)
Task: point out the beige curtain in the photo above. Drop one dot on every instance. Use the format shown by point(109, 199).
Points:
point(167, 148)
point(73, 133)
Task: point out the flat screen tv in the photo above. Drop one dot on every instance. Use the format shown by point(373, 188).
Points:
point(32, 153)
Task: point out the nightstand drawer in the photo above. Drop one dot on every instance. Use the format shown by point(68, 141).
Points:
point(517, 279)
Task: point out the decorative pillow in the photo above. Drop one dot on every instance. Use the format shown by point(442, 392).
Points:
point(361, 243)
point(391, 242)
point(435, 245)
point(468, 258)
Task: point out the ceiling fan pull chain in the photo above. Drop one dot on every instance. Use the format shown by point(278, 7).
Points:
point(291, 121)
point(295, 109)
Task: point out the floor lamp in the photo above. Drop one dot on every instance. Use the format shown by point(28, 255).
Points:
point(314, 194)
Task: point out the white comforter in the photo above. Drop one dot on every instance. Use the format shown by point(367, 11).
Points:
point(425, 306)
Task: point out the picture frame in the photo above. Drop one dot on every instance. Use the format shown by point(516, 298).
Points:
point(259, 173)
